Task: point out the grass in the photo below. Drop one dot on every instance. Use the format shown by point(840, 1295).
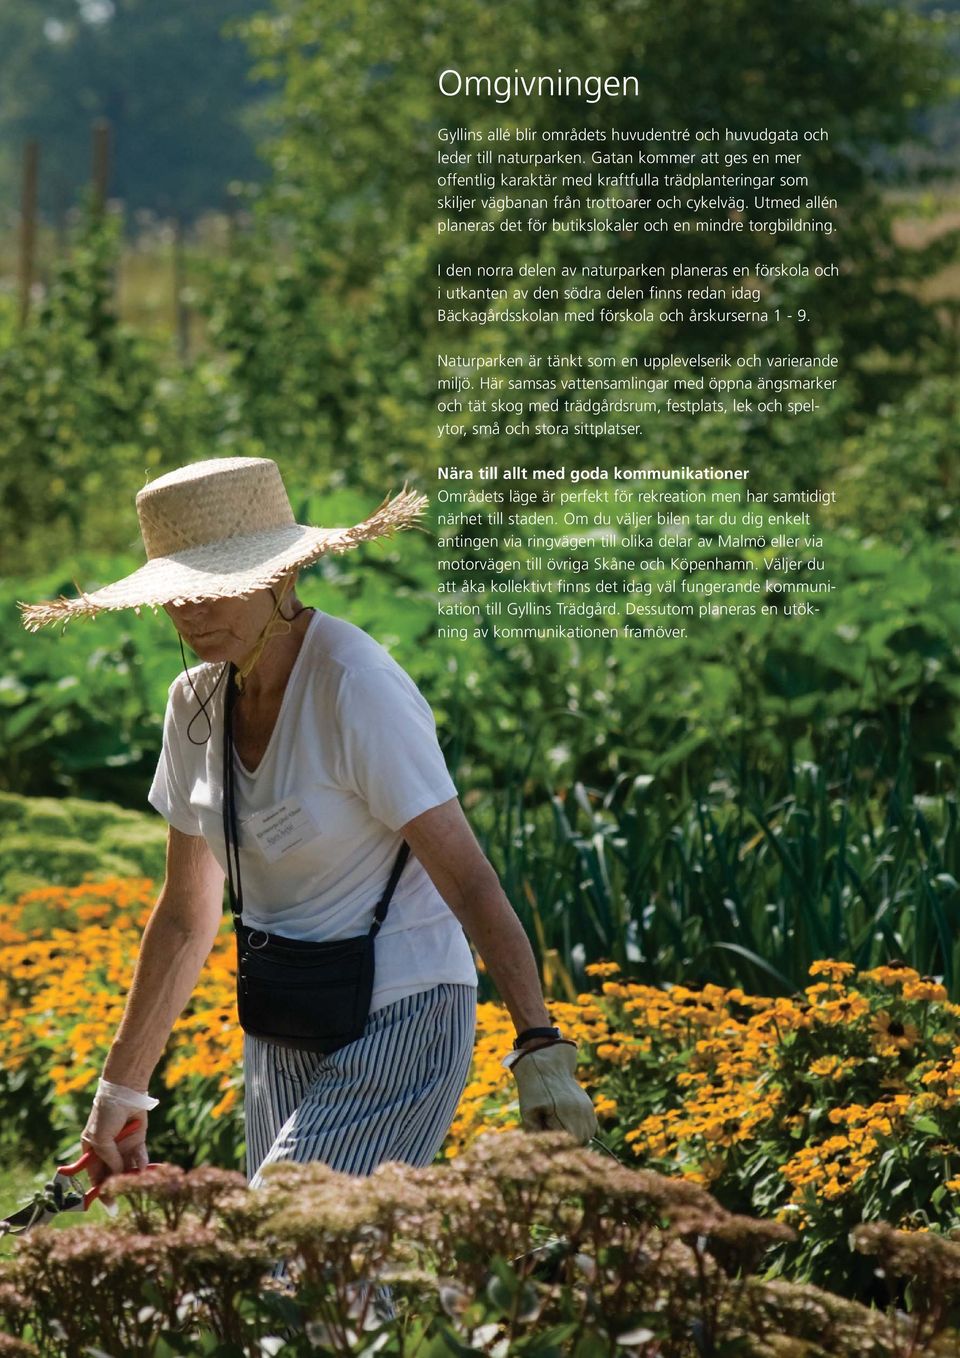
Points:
point(18, 1181)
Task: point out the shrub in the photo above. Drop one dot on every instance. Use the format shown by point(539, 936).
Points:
point(525, 1245)
point(86, 406)
point(47, 841)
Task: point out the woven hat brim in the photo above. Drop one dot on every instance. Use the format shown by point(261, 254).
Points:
point(229, 568)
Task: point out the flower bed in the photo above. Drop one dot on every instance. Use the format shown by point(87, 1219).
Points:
point(66, 960)
point(820, 1111)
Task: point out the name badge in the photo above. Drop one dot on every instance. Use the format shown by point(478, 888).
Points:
point(280, 829)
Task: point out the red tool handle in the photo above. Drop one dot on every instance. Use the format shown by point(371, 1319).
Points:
point(83, 1163)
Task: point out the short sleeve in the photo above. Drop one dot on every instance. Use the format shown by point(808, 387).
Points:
point(168, 793)
point(390, 753)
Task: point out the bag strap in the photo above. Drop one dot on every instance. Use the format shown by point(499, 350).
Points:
point(380, 914)
point(231, 833)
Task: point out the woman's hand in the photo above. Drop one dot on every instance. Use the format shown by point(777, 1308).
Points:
point(108, 1117)
point(550, 1098)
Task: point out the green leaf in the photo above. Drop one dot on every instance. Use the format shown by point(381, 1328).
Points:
point(926, 1124)
point(591, 1345)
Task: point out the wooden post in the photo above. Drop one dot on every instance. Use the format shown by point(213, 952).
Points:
point(181, 313)
point(101, 164)
point(28, 226)
point(60, 229)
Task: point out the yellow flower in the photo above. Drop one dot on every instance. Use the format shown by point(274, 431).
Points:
point(892, 1032)
point(829, 1067)
point(846, 1010)
point(835, 970)
point(617, 1054)
point(225, 1104)
point(890, 975)
point(926, 988)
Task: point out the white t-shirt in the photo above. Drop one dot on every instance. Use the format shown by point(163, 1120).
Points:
point(353, 756)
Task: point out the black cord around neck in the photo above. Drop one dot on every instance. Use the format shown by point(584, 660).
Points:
point(203, 702)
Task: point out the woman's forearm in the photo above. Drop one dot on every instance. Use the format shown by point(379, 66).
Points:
point(171, 957)
point(446, 846)
point(499, 937)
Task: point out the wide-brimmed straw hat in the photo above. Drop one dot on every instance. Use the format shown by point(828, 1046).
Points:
point(220, 529)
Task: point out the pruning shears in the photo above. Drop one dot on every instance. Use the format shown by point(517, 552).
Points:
point(60, 1194)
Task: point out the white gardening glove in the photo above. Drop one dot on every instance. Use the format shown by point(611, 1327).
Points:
point(113, 1107)
point(550, 1098)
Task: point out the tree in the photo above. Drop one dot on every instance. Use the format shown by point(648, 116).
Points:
point(175, 89)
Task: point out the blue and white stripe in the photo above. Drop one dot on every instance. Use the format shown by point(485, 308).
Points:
point(391, 1095)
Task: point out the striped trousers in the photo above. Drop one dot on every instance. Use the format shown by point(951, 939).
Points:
point(391, 1095)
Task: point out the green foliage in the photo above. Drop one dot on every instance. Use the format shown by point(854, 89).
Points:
point(323, 358)
point(748, 881)
point(898, 478)
point(749, 875)
point(68, 388)
point(47, 841)
point(88, 411)
point(82, 713)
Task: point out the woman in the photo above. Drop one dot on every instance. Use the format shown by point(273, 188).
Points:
point(332, 765)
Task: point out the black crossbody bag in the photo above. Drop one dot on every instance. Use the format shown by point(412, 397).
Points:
point(292, 992)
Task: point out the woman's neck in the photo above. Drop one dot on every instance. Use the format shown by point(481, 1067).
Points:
point(270, 674)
